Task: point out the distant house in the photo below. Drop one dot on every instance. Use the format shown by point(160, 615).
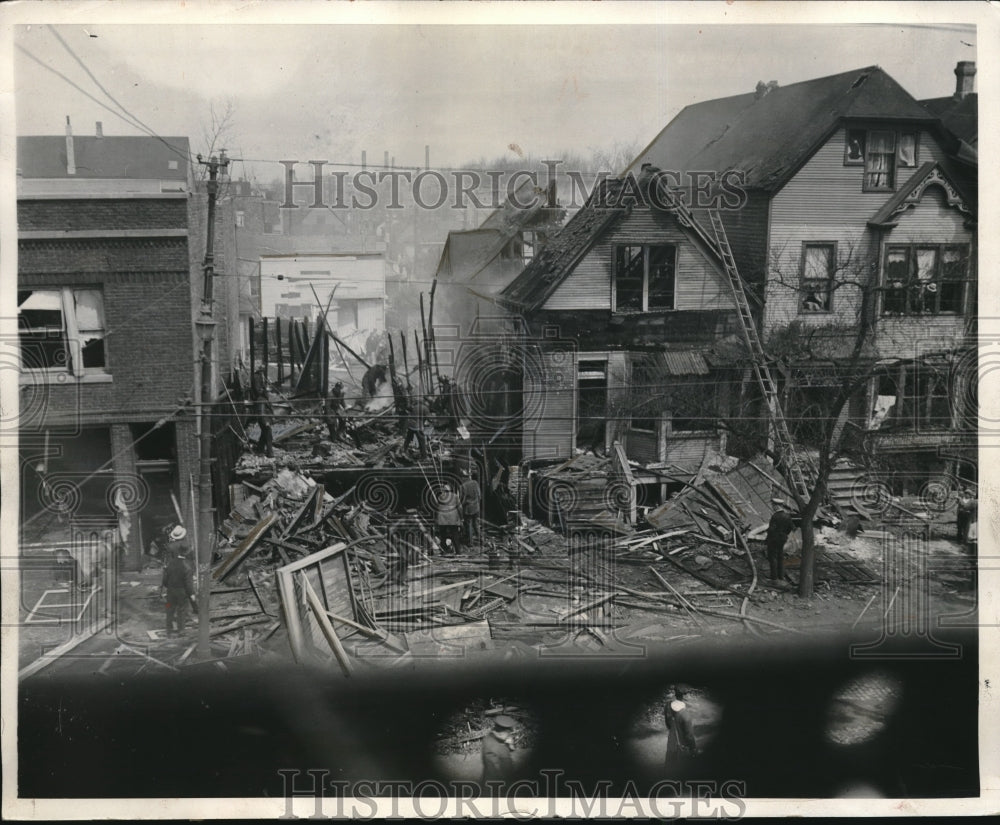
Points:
point(854, 188)
point(476, 264)
point(352, 285)
point(106, 349)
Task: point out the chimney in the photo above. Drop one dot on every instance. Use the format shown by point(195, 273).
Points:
point(965, 75)
point(70, 155)
point(100, 129)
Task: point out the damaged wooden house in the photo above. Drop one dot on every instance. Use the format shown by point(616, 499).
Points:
point(840, 212)
point(857, 233)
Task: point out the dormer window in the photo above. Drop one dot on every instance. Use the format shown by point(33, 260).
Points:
point(881, 152)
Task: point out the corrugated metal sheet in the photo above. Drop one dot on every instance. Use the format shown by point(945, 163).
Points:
point(684, 363)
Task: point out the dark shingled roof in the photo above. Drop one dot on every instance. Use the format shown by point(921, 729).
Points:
point(136, 158)
point(960, 116)
point(769, 137)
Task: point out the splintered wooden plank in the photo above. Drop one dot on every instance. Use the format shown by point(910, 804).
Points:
point(313, 502)
point(235, 559)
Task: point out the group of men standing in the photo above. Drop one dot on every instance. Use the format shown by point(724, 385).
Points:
point(457, 518)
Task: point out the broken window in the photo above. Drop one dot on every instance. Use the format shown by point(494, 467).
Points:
point(644, 277)
point(914, 397)
point(925, 279)
point(880, 162)
point(818, 261)
point(62, 330)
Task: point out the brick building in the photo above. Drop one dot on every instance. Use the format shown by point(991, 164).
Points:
point(105, 334)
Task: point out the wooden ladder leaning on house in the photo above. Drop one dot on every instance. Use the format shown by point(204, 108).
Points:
point(779, 425)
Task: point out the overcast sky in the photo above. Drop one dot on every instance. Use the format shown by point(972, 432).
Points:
point(329, 91)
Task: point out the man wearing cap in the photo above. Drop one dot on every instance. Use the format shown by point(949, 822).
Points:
point(498, 744)
point(176, 582)
point(681, 741)
point(778, 529)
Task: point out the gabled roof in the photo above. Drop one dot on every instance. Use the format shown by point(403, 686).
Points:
point(769, 135)
point(929, 174)
point(553, 263)
point(610, 201)
point(135, 158)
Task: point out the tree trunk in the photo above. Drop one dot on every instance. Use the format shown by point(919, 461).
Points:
point(807, 563)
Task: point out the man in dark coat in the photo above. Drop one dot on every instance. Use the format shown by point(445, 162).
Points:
point(966, 513)
point(416, 412)
point(334, 411)
point(778, 529)
point(262, 412)
point(448, 518)
point(471, 504)
point(681, 742)
point(176, 582)
point(498, 744)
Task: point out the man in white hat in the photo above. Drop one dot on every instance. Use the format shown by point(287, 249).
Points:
point(176, 584)
point(498, 745)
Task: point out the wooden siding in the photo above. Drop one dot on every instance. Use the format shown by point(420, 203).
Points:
point(746, 229)
point(689, 451)
point(825, 191)
point(699, 285)
point(824, 202)
point(550, 404)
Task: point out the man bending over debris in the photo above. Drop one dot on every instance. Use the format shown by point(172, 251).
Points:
point(498, 764)
point(177, 584)
point(778, 529)
point(416, 411)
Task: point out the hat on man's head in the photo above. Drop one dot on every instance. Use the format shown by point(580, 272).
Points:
point(178, 533)
point(503, 721)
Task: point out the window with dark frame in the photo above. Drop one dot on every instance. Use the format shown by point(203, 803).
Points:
point(62, 330)
point(925, 279)
point(881, 152)
point(818, 266)
point(923, 399)
point(644, 277)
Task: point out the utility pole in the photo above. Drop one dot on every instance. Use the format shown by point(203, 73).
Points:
point(205, 325)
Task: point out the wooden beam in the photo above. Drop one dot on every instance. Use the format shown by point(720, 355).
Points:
point(324, 622)
point(234, 559)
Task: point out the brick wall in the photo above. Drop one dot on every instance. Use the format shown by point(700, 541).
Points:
point(77, 215)
point(147, 305)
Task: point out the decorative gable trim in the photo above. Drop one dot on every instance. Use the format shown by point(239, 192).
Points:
point(929, 175)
